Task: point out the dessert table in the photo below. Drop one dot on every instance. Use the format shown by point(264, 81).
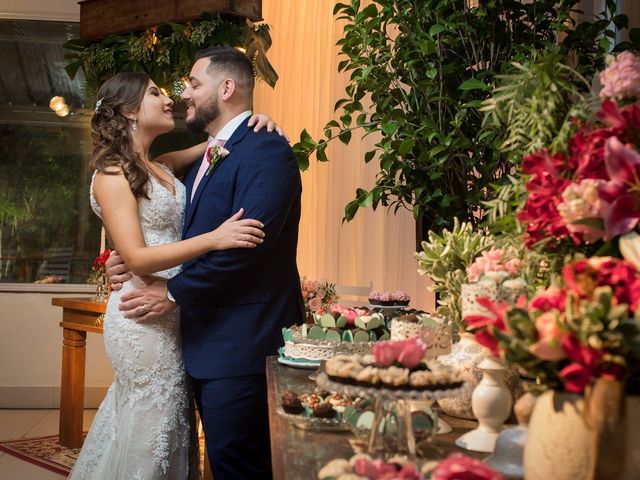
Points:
point(297, 453)
point(79, 316)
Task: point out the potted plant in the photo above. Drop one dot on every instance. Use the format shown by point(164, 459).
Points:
point(419, 73)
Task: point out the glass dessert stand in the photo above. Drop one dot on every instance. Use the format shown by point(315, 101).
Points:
point(392, 428)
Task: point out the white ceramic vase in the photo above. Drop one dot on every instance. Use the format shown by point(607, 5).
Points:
point(559, 443)
point(465, 355)
point(491, 403)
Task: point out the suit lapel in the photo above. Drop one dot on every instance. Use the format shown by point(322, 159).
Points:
point(237, 136)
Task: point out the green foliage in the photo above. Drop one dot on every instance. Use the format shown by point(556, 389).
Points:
point(534, 104)
point(419, 72)
point(444, 259)
point(167, 52)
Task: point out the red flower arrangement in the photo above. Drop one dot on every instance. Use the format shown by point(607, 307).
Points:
point(602, 152)
point(569, 336)
point(99, 269)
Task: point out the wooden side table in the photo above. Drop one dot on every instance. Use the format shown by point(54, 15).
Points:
point(79, 316)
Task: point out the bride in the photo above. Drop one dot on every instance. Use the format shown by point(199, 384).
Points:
point(144, 428)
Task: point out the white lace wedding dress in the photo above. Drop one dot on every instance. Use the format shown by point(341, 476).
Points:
point(144, 428)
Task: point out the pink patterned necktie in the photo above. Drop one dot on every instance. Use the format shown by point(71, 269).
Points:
point(204, 165)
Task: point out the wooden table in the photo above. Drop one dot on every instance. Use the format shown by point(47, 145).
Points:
point(79, 316)
point(297, 454)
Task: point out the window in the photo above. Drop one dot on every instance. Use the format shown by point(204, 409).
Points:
point(48, 232)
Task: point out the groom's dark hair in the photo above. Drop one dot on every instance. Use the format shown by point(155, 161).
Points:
point(231, 61)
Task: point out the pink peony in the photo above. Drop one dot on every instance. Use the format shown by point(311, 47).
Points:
point(409, 353)
point(513, 266)
point(384, 353)
point(550, 336)
point(494, 260)
point(580, 201)
point(460, 467)
point(412, 353)
point(622, 78)
point(374, 469)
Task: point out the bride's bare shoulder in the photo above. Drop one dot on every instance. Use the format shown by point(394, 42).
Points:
point(111, 181)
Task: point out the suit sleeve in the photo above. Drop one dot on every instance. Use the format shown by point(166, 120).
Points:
point(268, 187)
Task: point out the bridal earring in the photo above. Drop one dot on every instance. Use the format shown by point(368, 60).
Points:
point(134, 127)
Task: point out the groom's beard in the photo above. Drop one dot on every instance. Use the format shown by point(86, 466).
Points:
point(204, 115)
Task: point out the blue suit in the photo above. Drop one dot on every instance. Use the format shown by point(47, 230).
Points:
point(234, 303)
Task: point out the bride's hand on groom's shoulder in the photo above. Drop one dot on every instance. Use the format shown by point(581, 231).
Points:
point(148, 303)
point(262, 120)
point(117, 271)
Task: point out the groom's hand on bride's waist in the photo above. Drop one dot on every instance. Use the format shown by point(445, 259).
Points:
point(117, 271)
point(147, 303)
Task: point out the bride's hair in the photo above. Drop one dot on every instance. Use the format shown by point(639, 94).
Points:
point(111, 131)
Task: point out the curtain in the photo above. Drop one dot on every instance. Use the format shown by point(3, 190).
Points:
point(377, 246)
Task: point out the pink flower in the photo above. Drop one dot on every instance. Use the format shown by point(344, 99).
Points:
point(621, 191)
point(412, 353)
point(384, 353)
point(494, 260)
point(622, 78)
point(315, 303)
point(513, 266)
point(550, 336)
point(374, 469)
point(460, 467)
point(580, 202)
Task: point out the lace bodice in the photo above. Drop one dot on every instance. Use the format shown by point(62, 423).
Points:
point(161, 215)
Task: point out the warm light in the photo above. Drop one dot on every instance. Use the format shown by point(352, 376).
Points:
point(164, 91)
point(56, 103)
point(185, 82)
point(242, 49)
point(63, 112)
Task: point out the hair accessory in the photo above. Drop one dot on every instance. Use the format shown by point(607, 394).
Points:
point(98, 103)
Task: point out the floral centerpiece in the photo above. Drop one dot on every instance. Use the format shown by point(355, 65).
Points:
point(362, 467)
point(567, 336)
point(318, 297)
point(98, 275)
point(493, 274)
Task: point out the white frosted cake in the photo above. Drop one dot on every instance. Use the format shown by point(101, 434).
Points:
point(433, 331)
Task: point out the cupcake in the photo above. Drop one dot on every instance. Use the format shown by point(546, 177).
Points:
point(323, 410)
point(374, 298)
point(291, 403)
point(400, 298)
point(386, 299)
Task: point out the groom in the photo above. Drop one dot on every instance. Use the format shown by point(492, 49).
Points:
point(233, 303)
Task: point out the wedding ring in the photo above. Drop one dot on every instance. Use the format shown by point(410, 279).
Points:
point(143, 308)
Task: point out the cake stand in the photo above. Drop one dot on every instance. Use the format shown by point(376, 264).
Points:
point(392, 428)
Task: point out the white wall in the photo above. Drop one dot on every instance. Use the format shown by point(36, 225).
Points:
point(31, 353)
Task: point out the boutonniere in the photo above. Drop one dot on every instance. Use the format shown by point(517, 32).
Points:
point(215, 153)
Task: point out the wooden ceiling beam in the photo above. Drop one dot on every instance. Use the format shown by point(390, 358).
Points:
point(101, 18)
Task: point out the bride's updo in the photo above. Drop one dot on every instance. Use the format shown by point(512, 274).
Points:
point(112, 132)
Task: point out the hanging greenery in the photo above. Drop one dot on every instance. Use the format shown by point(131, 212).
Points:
point(167, 52)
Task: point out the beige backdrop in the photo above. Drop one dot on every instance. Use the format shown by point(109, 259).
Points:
point(377, 246)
